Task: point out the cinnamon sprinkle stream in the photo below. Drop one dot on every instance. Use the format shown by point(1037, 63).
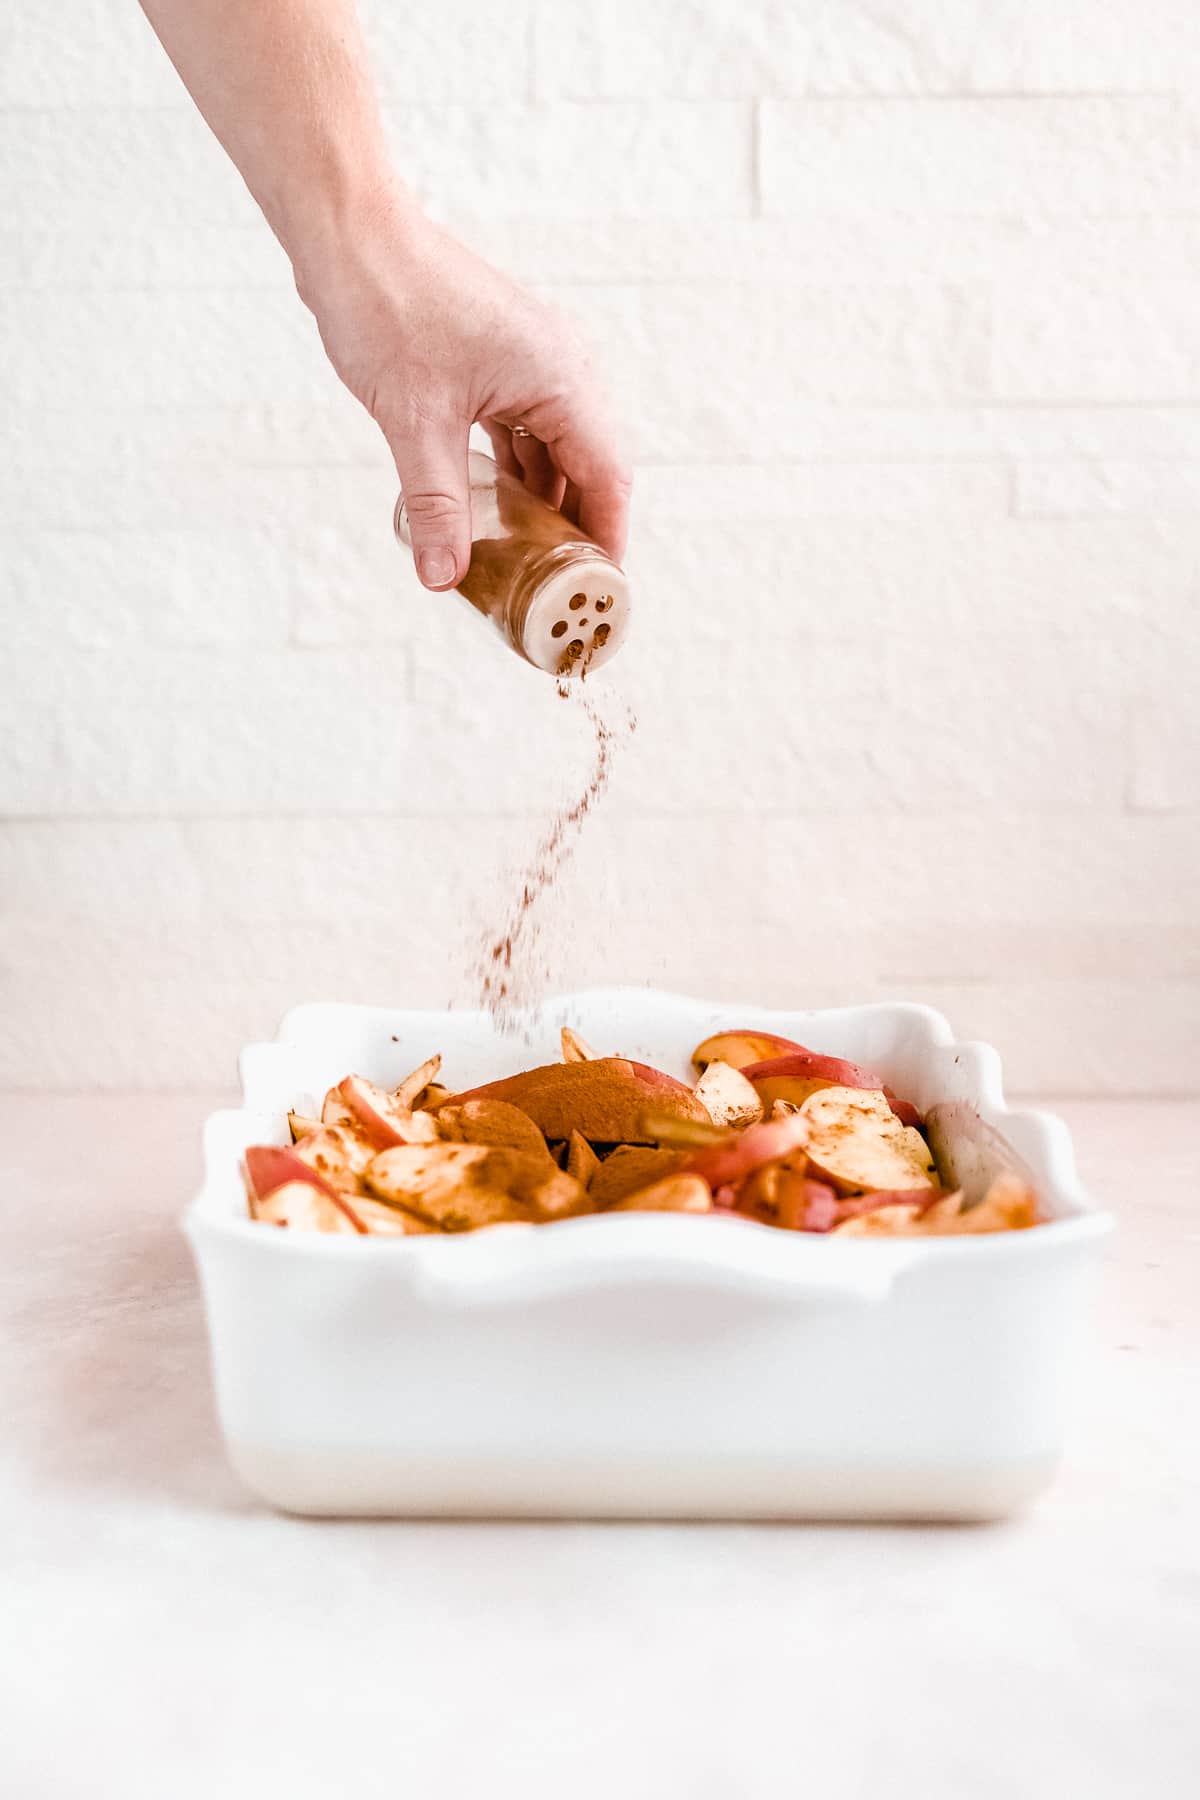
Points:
point(510, 978)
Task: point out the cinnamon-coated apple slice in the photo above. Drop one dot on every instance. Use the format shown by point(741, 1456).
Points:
point(383, 1118)
point(856, 1142)
point(491, 1122)
point(300, 1125)
point(336, 1152)
point(674, 1193)
point(603, 1099)
point(575, 1048)
point(582, 1161)
point(729, 1097)
point(334, 1110)
point(627, 1168)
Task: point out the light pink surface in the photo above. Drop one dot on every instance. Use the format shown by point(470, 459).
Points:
point(194, 1642)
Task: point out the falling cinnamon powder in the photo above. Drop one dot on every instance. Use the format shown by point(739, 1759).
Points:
point(511, 972)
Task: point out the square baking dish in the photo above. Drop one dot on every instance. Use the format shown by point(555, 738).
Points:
point(645, 1365)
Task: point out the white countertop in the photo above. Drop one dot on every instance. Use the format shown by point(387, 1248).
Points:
point(164, 1635)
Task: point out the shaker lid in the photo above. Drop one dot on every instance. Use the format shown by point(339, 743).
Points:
point(577, 617)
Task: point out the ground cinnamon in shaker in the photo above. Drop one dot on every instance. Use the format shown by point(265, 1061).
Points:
point(510, 976)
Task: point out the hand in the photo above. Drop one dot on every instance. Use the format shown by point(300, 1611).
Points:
point(432, 340)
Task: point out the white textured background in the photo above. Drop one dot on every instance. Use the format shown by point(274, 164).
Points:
point(901, 301)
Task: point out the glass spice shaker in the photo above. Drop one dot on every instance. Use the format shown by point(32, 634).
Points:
point(553, 595)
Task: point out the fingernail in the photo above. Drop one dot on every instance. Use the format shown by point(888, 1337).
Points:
point(436, 566)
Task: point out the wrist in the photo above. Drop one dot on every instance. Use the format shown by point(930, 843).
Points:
point(344, 229)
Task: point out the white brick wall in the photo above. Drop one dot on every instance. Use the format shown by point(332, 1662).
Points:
point(900, 301)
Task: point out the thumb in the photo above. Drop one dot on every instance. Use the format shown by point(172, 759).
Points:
point(437, 501)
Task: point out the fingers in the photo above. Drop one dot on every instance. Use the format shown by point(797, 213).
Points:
point(432, 465)
point(538, 471)
point(597, 479)
point(502, 447)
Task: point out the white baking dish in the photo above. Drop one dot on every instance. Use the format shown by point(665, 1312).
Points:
point(643, 1365)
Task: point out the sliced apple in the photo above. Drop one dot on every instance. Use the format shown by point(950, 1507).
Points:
point(733, 1159)
point(301, 1126)
point(433, 1096)
point(491, 1122)
point(382, 1117)
point(576, 1049)
point(896, 1220)
point(673, 1133)
point(729, 1097)
point(803, 1072)
point(1009, 1205)
point(301, 1207)
point(603, 1099)
point(442, 1183)
point(337, 1153)
point(334, 1110)
point(627, 1168)
point(405, 1092)
point(737, 1048)
point(270, 1167)
point(784, 1194)
point(856, 1142)
point(674, 1193)
point(460, 1187)
point(390, 1221)
point(582, 1161)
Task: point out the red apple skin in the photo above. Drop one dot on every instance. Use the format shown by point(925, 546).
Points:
point(271, 1166)
point(832, 1071)
point(738, 1048)
point(727, 1164)
point(373, 1110)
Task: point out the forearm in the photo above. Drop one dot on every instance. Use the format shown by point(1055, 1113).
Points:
point(286, 87)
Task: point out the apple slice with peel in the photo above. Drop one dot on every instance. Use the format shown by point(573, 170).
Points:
point(603, 1098)
point(575, 1048)
point(301, 1126)
point(405, 1092)
point(857, 1144)
point(270, 1167)
point(731, 1160)
point(737, 1048)
point(301, 1207)
point(334, 1110)
point(383, 1118)
point(674, 1193)
point(729, 1097)
point(337, 1153)
point(802, 1072)
point(784, 1194)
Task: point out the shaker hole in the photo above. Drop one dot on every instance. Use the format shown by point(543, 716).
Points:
point(558, 630)
point(602, 605)
point(576, 601)
point(601, 634)
point(575, 647)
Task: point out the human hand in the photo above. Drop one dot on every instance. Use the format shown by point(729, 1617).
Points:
point(431, 340)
